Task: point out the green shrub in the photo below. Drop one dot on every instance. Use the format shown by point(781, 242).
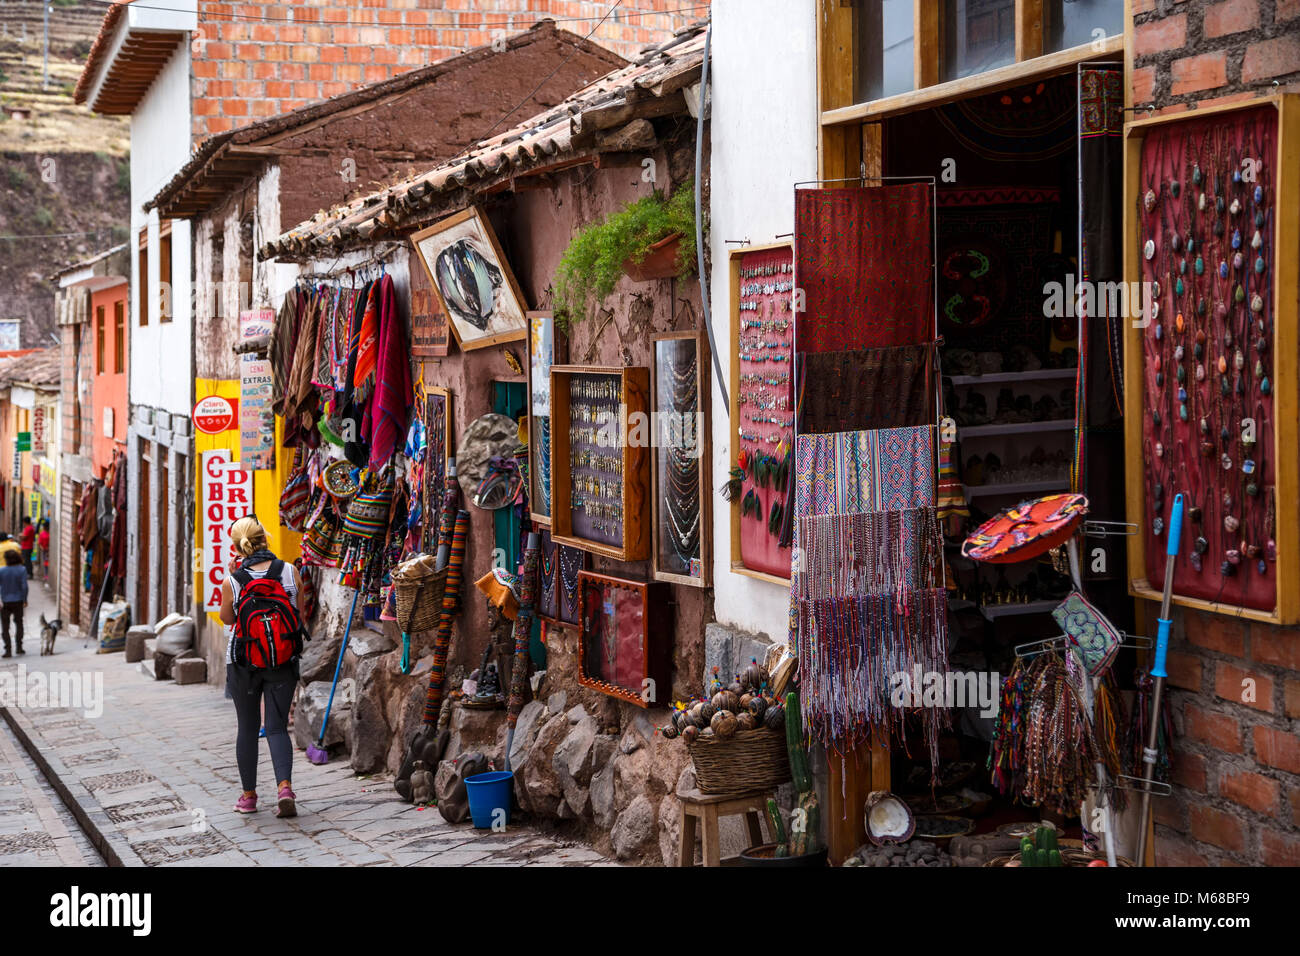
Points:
point(43, 218)
point(593, 263)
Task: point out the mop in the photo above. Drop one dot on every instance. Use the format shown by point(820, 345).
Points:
point(316, 752)
point(1150, 753)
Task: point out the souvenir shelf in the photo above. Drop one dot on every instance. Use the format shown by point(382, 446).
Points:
point(1218, 345)
point(600, 460)
point(1037, 375)
point(624, 638)
point(541, 355)
point(680, 473)
point(1016, 428)
point(437, 415)
point(558, 568)
point(761, 292)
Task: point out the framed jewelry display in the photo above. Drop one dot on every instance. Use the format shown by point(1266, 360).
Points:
point(624, 638)
point(762, 410)
point(600, 460)
point(1211, 224)
point(541, 355)
point(558, 569)
point(437, 428)
point(472, 280)
point(679, 472)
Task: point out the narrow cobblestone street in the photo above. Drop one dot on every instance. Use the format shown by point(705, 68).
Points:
point(154, 775)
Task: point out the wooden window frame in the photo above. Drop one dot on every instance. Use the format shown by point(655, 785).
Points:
point(166, 307)
point(142, 292)
point(119, 336)
point(101, 336)
point(1285, 347)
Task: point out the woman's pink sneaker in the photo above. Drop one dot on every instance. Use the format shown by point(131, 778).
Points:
point(287, 807)
point(246, 804)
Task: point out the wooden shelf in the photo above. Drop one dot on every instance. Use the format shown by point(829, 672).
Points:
point(1015, 488)
point(1039, 375)
point(1014, 428)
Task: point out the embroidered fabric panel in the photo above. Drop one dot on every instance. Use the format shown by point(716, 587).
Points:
point(889, 469)
point(1088, 630)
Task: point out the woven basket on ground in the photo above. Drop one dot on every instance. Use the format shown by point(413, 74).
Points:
point(419, 604)
point(747, 761)
point(1068, 858)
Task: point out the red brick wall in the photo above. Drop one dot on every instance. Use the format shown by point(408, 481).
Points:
point(1192, 51)
point(258, 59)
point(1236, 773)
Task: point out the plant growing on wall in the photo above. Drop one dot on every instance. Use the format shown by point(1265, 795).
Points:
point(599, 254)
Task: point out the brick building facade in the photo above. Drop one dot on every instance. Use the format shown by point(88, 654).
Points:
point(255, 60)
point(1235, 684)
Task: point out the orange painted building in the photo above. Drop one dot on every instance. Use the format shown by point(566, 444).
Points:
point(109, 332)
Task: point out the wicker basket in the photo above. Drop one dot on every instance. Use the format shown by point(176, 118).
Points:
point(747, 761)
point(1068, 858)
point(419, 605)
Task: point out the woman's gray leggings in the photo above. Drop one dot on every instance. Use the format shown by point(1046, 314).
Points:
point(249, 688)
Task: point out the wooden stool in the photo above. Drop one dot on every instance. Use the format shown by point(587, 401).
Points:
point(708, 808)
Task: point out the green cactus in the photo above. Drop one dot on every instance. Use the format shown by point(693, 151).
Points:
point(778, 825)
point(806, 831)
point(1040, 849)
point(1054, 858)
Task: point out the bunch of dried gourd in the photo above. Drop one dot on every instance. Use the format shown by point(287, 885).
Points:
point(744, 704)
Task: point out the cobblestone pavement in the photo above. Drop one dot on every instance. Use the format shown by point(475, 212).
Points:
point(155, 777)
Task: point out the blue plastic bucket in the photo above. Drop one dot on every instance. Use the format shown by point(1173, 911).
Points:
point(488, 793)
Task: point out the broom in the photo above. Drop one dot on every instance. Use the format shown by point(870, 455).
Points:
point(316, 752)
point(523, 631)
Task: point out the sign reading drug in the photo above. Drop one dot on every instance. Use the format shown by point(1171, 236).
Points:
point(227, 497)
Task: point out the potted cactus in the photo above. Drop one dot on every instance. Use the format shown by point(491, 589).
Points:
point(802, 845)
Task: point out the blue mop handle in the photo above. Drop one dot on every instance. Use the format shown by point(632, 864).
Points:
point(338, 667)
point(1165, 621)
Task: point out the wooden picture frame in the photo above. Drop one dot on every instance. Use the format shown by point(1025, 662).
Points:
point(433, 487)
point(430, 329)
point(564, 613)
point(735, 258)
point(640, 653)
point(670, 431)
point(468, 235)
point(541, 356)
point(634, 392)
point(1285, 349)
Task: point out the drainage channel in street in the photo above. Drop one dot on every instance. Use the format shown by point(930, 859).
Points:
point(36, 828)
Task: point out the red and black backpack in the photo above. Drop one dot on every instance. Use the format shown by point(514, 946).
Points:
point(268, 631)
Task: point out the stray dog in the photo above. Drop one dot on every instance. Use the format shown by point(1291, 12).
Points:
point(49, 630)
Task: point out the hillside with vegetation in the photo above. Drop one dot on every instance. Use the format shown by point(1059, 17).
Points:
point(64, 171)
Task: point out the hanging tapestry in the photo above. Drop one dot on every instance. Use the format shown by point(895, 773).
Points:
point(848, 472)
point(1205, 225)
point(866, 388)
point(865, 266)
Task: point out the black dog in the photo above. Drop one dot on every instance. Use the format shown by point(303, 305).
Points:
point(49, 630)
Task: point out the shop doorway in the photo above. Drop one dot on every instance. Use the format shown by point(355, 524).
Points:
point(143, 522)
point(1026, 178)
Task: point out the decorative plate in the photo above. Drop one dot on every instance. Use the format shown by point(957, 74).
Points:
point(1029, 530)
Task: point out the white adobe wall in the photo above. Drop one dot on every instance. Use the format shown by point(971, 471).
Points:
point(764, 139)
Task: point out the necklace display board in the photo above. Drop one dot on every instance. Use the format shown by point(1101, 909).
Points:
point(558, 569)
point(1211, 375)
point(600, 460)
point(680, 473)
point(762, 411)
point(541, 355)
point(437, 427)
point(625, 638)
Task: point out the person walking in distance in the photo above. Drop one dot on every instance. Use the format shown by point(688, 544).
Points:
point(262, 603)
point(28, 541)
point(13, 594)
point(43, 544)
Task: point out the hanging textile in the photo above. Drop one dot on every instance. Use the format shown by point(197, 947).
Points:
point(848, 472)
point(864, 262)
point(867, 388)
point(282, 346)
point(350, 404)
point(390, 408)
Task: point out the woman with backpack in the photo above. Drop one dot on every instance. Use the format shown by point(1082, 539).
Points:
point(262, 601)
